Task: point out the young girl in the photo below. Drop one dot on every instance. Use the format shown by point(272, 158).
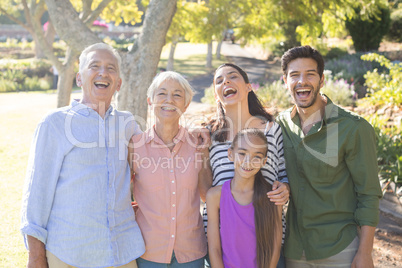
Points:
point(244, 227)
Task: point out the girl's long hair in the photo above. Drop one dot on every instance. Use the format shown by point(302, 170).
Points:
point(266, 221)
point(219, 126)
point(265, 212)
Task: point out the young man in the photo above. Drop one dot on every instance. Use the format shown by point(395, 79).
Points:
point(332, 169)
point(77, 202)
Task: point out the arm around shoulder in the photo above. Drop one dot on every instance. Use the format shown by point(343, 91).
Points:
point(205, 175)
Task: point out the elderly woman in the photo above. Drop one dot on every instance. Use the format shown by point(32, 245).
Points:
point(170, 176)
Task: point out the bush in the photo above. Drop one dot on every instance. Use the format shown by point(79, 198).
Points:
point(385, 87)
point(274, 95)
point(352, 69)
point(336, 52)
point(368, 33)
point(389, 151)
point(338, 90)
point(395, 30)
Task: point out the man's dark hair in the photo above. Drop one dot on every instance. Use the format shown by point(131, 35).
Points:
point(302, 52)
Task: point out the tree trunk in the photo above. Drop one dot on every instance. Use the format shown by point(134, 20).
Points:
point(209, 56)
point(66, 79)
point(219, 46)
point(50, 34)
point(169, 66)
point(142, 61)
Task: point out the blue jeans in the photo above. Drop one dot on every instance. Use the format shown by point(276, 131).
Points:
point(141, 263)
point(281, 262)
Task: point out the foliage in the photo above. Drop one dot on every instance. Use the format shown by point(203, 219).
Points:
point(338, 90)
point(274, 95)
point(389, 150)
point(352, 68)
point(336, 52)
point(385, 88)
point(395, 30)
point(368, 33)
point(24, 75)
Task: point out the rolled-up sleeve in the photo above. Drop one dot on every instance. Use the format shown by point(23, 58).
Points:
point(44, 164)
point(361, 160)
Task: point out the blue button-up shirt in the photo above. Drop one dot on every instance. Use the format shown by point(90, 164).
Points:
point(77, 194)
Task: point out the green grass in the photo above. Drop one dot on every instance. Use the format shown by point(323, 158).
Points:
point(20, 113)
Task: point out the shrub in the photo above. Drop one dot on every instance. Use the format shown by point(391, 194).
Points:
point(335, 52)
point(274, 95)
point(352, 68)
point(395, 30)
point(338, 90)
point(385, 88)
point(35, 83)
point(7, 85)
point(389, 151)
point(368, 33)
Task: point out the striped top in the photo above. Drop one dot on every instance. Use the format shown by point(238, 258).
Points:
point(274, 169)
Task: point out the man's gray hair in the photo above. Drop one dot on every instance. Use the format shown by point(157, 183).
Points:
point(98, 46)
point(169, 75)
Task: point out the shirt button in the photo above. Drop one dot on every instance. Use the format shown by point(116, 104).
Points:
point(172, 235)
point(173, 219)
point(173, 205)
point(172, 181)
point(174, 192)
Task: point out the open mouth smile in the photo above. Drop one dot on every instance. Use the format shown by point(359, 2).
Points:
point(229, 92)
point(101, 84)
point(168, 108)
point(303, 93)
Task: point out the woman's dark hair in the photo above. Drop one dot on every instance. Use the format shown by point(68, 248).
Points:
point(219, 126)
point(265, 212)
point(302, 52)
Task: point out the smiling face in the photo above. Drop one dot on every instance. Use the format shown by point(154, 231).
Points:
point(248, 155)
point(230, 87)
point(303, 81)
point(169, 100)
point(99, 78)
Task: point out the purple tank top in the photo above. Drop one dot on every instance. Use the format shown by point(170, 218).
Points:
point(237, 229)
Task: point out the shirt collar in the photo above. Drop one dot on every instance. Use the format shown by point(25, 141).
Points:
point(151, 135)
point(328, 110)
point(84, 110)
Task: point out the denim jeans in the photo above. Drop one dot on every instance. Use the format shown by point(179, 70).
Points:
point(173, 263)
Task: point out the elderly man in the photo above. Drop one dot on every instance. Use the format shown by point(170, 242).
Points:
point(77, 206)
point(332, 169)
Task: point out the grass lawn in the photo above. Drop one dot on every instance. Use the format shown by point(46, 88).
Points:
point(19, 113)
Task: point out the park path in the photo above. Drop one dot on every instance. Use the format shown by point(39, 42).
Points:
point(258, 70)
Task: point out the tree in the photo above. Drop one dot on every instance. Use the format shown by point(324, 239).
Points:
point(33, 13)
point(139, 64)
point(368, 34)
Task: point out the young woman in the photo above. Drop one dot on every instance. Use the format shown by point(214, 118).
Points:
point(170, 176)
point(244, 227)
